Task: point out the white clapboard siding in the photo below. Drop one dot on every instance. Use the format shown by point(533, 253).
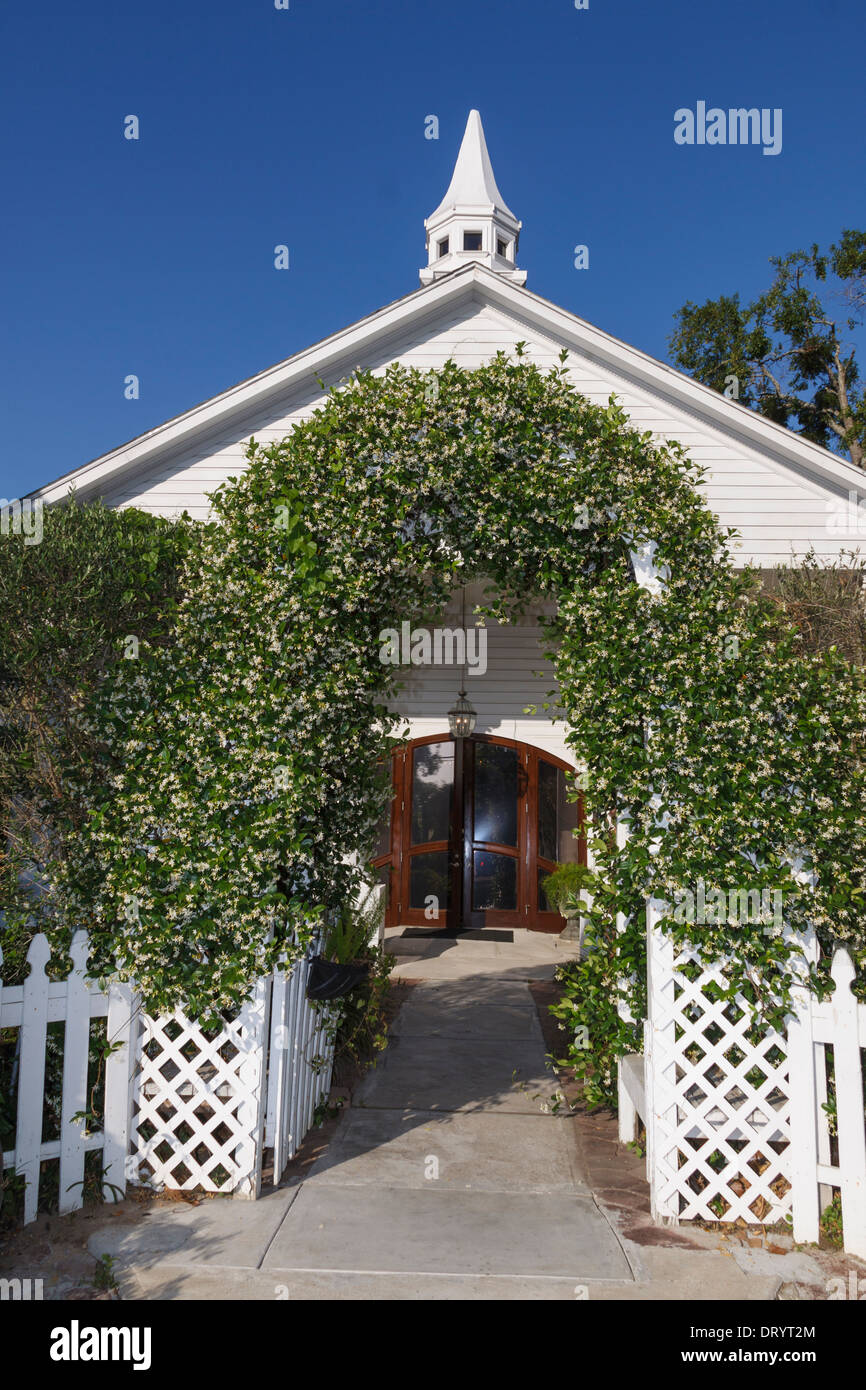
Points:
point(517, 677)
point(30, 1007)
point(777, 509)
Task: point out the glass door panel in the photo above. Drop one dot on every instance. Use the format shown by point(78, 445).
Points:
point(557, 818)
point(496, 791)
point(428, 853)
point(494, 882)
point(495, 834)
point(429, 879)
point(432, 788)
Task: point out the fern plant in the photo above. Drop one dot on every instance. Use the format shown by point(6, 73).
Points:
point(349, 933)
point(564, 887)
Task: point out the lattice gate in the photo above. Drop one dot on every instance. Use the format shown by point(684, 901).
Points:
point(206, 1103)
point(198, 1101)
point(717, 1097)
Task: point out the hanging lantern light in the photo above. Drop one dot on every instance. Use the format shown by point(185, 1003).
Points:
point(461, 719)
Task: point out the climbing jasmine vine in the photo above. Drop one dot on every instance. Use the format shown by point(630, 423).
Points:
point(252, 753)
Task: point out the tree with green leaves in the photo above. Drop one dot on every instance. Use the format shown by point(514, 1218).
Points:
point(789, 354)
point(98, 584)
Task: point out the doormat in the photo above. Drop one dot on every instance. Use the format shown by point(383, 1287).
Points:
point(428, 931)
point(483, 934)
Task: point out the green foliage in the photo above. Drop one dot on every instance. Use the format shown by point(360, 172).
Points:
point(826, 602)
point(251, 754)
point(360, 1024)
point(790, 349)
point(67, 607)
point(352, 929)
point(614, 972)
point(326, 1111)
point(564, 888)
point(104, 1277)
point(831, 1222)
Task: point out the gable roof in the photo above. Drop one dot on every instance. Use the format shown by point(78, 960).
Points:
point(339, 354)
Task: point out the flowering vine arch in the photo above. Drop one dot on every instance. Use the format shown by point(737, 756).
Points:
point(259, 741)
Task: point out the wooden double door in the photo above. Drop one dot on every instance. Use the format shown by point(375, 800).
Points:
point(475, 825)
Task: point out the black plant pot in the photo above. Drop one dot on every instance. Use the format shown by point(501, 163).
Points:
point(328, 979)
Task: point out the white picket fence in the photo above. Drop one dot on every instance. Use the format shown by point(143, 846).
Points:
point(840, 1023)
point(302, 1058)
point(734, 1120)
point(75, 1002)
point(184, 1107)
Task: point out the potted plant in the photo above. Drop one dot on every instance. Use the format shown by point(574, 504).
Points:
point(563, 890)
point(341, 970)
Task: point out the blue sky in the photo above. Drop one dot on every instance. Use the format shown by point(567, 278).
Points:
point(306, 127)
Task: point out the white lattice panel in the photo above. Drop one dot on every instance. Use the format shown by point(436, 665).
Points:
point(718, 1098)
point(198, 1104)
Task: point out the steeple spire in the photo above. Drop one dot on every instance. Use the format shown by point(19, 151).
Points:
point(473, 222)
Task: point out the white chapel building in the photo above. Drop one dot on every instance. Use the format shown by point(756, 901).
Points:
point(478, 822)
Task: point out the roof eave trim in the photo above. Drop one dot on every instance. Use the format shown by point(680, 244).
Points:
point(247, 394)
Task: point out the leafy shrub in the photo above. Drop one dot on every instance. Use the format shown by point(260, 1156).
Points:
point(826, 602)
point(71, 608)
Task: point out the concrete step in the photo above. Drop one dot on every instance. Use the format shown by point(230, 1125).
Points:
point(382, 1231)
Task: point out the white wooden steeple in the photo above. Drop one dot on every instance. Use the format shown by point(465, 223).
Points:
point(473, 222)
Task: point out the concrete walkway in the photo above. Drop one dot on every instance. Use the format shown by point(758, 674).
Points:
point(451, 1176)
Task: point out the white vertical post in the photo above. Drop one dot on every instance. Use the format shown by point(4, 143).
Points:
point(278, 1056)
point(253, 1022)
point(803, 1100)
point(849, 1104)
point(647, 1089)
point(660, 1071)
point(653, 578)
point(76, 1048)
point(819, 1057)
point(121, 1027)
point(306, 1075)
point(31, 1074)
point(626, 1113)
point(293, 1074)
point(625, 1109)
